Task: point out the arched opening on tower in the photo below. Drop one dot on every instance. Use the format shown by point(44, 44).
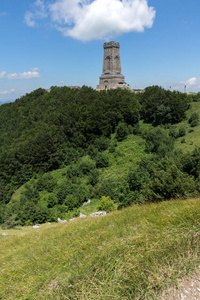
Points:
point(106, 84)
point(107, 63)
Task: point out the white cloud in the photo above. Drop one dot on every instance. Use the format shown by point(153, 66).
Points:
point(101, 19)
point(2, 74)
point(39, 12)
point(190, 82)
point(7, 92)
point(94, 19)
point(29, 19)
point(32, 73)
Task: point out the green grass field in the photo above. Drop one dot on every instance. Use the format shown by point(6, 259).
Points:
point(135, 253)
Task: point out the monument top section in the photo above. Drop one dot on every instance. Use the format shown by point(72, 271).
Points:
point(111, 45)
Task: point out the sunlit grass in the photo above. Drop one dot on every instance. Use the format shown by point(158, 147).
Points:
point(130, 254)
point(128, 152)
point(192, 139)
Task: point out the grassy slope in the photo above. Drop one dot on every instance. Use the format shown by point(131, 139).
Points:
point(129, 254)
point(192, 139)
point(129, 151)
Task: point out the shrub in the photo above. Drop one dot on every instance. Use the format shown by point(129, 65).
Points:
point(136, 129)
point(102, 160)
point(172, 132)
point(108, 187)
point(11, 222)
point(160, 106)
point(71, 202)
point(130, 129)
point(121, 131)
point(162, 179)
point(64, 189)
point(92, 151)
point(191, 163)
point(106, 204)
point(194, 123)
point(102, 143)
point(86, 165)
point(183, 141)
point(93, 177)
point(157, 141)
point(39, 214)
point(52, 200)
point(193, 117)
point(45, 182)
point(73, 170)
point(181, 132)
point(196, 97)
point(111, 149)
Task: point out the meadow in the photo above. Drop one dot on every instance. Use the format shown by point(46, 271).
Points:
point(135, 253)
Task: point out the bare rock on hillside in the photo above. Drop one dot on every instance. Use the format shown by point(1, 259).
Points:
point(82, 216)
point(36, 226)
point(98, 213)
point(4, 234)
point(88, 202)
point(61, 221)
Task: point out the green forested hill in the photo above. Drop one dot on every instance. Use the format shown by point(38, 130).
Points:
point(100, 144)
point(39, 131)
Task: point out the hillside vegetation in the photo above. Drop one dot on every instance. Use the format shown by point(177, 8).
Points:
point(135, 253)
point(63, 147)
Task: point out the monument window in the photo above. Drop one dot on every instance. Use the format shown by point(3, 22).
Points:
point(107, 63)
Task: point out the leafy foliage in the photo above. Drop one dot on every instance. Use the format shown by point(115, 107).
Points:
point(157, 141)
point(194, 119)
point(42, 131)
point(106, 204)
point(160, 106)
point(121, 131)
point(80, 130)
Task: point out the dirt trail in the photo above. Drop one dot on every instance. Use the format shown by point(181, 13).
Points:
point(188, 289)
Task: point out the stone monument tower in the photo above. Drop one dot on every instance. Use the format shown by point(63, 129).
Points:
point(111, 76)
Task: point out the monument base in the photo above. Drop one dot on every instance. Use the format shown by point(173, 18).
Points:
point(107, 82)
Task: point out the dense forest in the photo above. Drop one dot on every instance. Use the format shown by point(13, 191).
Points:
point(71, 130)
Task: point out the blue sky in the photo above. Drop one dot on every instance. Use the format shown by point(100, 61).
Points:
point(60, 42)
